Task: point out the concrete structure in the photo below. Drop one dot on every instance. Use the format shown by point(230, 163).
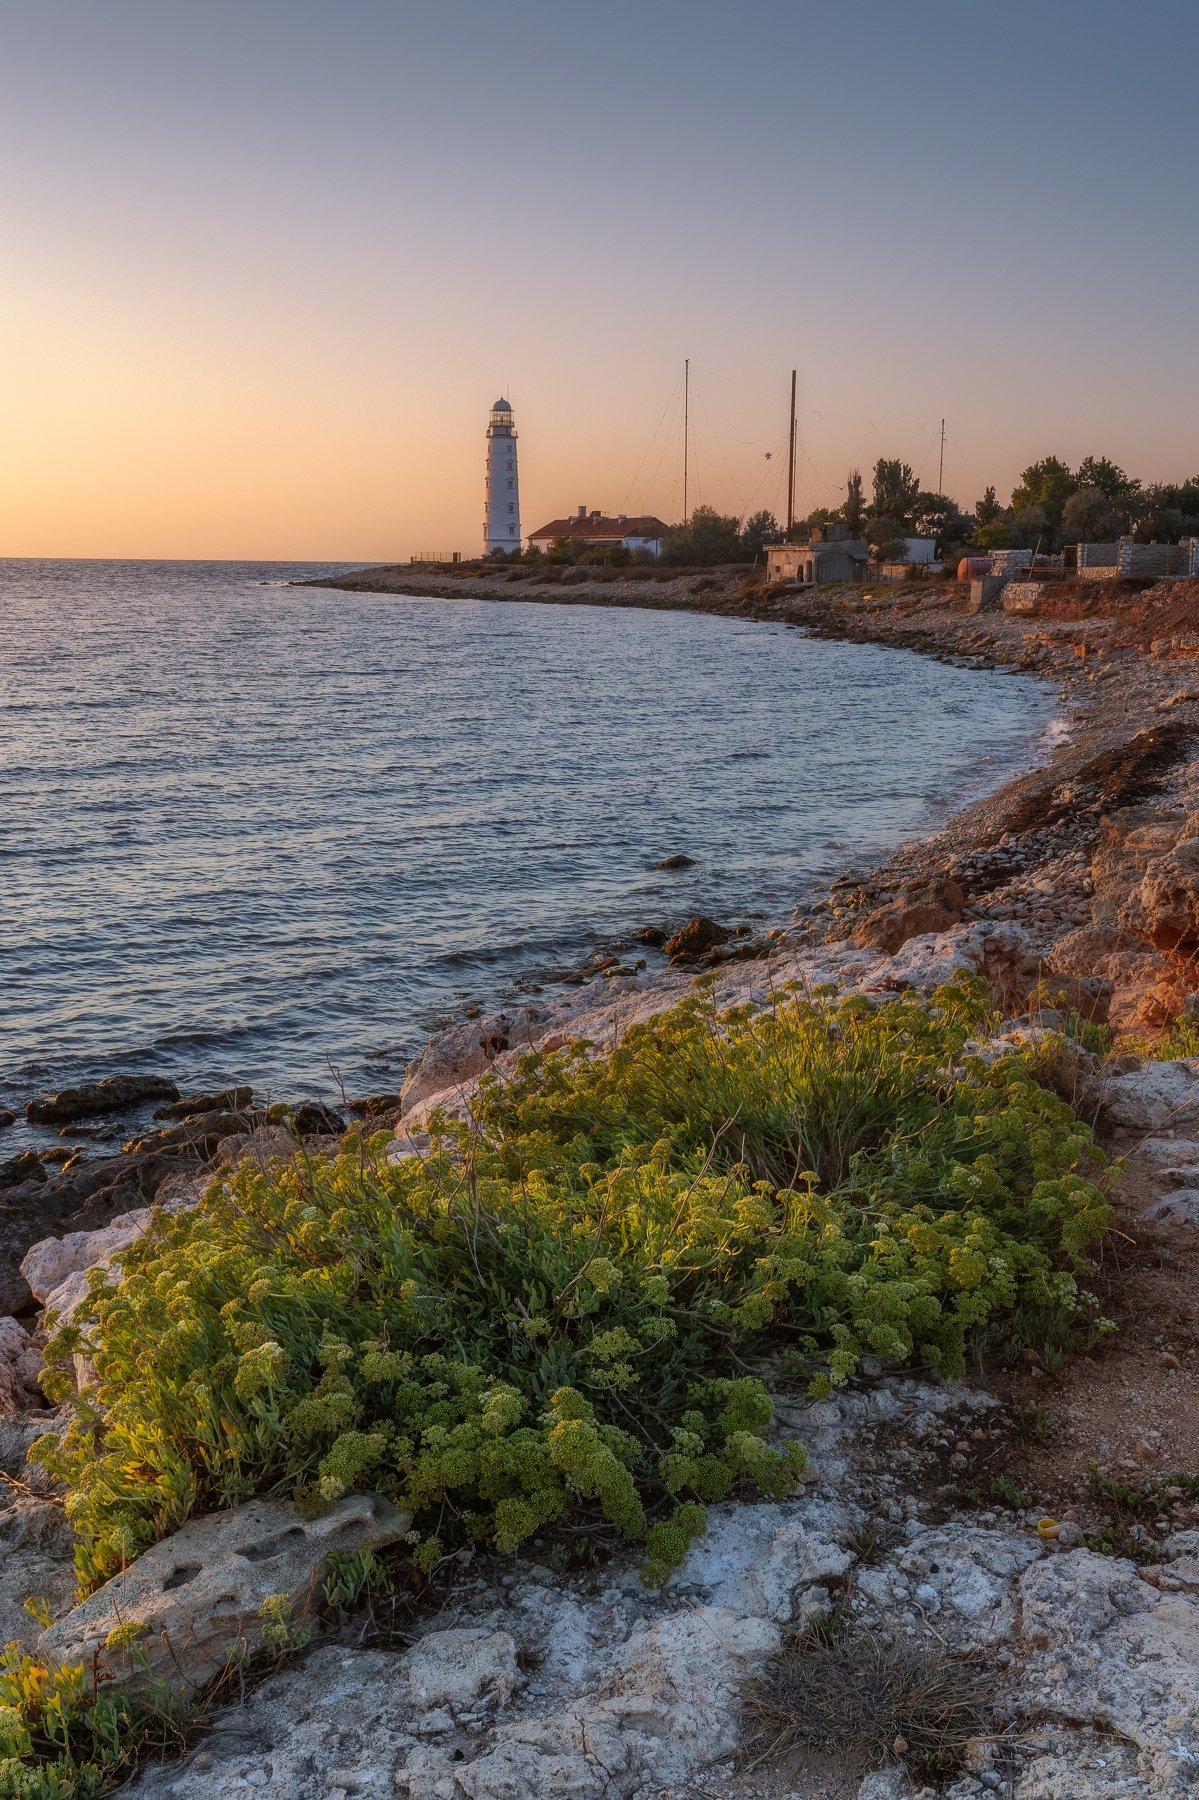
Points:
point(1111, 562)
point(501, 505)
point(829, 555)
point(597, 531)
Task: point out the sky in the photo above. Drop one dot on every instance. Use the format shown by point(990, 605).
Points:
point(267, 263)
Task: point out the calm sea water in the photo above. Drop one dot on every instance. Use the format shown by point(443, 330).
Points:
point(261, 831)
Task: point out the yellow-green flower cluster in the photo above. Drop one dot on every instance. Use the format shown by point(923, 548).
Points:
point(541, 1320)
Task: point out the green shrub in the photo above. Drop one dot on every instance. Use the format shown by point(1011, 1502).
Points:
point(558, 1315)
point(61, 1738)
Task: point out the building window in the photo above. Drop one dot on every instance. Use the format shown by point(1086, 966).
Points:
point(509, 481)
point(511, 509)
point(512, 531)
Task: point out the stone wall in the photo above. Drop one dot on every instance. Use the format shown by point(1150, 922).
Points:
point(1022, 596)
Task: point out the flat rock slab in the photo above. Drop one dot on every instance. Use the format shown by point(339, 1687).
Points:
point(199, 1593)
point(1158, 1096)
point(36, 1558)
point(111, 1094)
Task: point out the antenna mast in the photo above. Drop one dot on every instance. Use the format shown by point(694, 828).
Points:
point(941, 470)
point(791, 466)
point(686, 428)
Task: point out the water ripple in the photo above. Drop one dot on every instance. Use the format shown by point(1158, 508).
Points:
point(249, 829)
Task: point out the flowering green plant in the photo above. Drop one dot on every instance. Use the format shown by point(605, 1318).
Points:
point(558, 1316)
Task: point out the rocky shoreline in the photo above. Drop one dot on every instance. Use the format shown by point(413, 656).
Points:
point(1042, 1520)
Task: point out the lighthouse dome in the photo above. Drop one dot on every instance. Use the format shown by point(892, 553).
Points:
point(501, 406)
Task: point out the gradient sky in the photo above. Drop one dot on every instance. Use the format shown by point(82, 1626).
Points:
point(268, 262)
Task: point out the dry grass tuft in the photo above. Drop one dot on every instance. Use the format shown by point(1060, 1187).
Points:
point(870, 1697)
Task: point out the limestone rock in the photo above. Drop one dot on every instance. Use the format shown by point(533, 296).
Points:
point(330, 1723)
point(264, 1145)
point(1114, 1651)
point(669, 1706)
point(459, 1668)
point(202, 1589)
point(963, 1576)
point(1165, 909)
point(1093, 950)
point(454, 1057)
point(885, 1784)
point(36, 1560)
point(890, 927)
point(769, 1563)
point(20, 1366)
point(1093, 1766)
point(48, 1264)
point(1159, 1095)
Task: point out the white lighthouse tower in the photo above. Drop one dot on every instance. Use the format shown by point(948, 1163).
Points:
point(501, 521)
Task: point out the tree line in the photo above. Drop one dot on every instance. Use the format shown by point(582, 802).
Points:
point(1052, 505)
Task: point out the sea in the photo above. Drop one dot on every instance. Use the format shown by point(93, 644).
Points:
point(257, 831)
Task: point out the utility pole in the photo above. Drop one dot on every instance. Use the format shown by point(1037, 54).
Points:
point(791, 466)
point(941, 470)
point(686, 428)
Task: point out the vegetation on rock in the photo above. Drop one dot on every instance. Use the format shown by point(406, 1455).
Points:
point(558, 1316)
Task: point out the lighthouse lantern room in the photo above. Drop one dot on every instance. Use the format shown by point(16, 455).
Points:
point(501, 522)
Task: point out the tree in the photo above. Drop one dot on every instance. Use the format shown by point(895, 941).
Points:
point(1100, 472)
point(562, 550)
point(1031, 528)
point(1168, 511)
point(819, 515)
point(996, 534)
point(937, 516)
point(895, 490)
point(988, 509)
point(888, 538)
point(855, 503)
point(1046, 485)
point(707, 537)
point(760, 529)
point(1088, 518)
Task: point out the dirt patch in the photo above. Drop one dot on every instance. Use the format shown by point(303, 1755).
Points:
point(1131, 1408)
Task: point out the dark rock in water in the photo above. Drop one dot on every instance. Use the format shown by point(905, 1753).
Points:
point(7, 1117)
point(197, 1136)
point(234, 1099)
point(101, 1134)
point(27, 1166)
point(653, 935)
point(371, 1105)
point(108, 1095)
point(676, 862)
point(313, 1119)
point(61, 1153)
point(694, 938)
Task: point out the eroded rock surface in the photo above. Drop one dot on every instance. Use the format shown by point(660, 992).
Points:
point(201, 1590)
point(20, 1366)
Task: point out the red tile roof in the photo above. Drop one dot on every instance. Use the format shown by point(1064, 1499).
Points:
point(601, 530)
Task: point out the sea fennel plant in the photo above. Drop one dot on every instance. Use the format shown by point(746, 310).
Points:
point(557, 1317)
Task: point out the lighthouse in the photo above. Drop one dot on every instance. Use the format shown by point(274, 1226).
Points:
point(501, 520)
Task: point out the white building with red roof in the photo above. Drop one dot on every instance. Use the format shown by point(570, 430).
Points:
point(597, 531)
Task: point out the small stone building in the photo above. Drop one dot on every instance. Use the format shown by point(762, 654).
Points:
point(829, 555)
